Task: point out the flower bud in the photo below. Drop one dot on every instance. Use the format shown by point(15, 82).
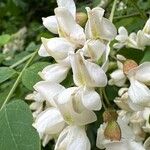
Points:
point(110, 115)
point(112, 131)
point(129, 65)
point(81, 18)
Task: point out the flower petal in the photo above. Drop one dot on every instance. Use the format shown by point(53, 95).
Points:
point(42, 51)
point(86, 73)
point(73, 138)
point(99, 27)
point(91, 99)
point(68, 27)
point(94, 49)
point(58, 48)
point(143, 73)
point(139, 93)
point(51, 24)
point(68, 4)
point(49, 121)
point(48, 90)
point(54, 73)
point(70, 105)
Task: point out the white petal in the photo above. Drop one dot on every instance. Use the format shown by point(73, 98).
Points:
point(117, 78)
point(98, 26)
point(143, 73)
point(48, 90)
point(92, 26)
point(73, 138)
point(68, 28)
point(49, 121)
point(58, 48)
point(94, 49)
point(68, 4)
point(91, 99)
point(86, 73)
point(51, 24)
point(139, 93)
point(42, 51)
point(146, 28)
point(54, 73)
point(70, 105)
point(108, 30)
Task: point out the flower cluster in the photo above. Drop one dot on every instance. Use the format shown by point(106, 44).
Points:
point(137, 40)
point(62, 113)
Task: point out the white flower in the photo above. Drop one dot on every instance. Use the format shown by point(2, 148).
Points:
point(118, 77)
point(127, 141)
point(49, 122)
point(37, 105)
point(86, 73)
point(139, 93)
point(73, 138)
point(99, 27)
point(122, 101)
point(76, 105)
point(94, 49)
point(143, 36)
point(51, 22)
point(48, 90)
point(126, 40)
point(68, 28)
point(55, 72)
point(56, 47)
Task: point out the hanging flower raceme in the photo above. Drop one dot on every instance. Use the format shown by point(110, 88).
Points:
point(62, 113)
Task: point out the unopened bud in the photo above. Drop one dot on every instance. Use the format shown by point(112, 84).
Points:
point(112, 131)
point(129, 65)
point(110, 115)
point(81, 18)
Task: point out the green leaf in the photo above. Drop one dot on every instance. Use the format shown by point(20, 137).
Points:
point(131, 53)
point(146, 56)
point(16, 128)
point(30, 76)
point(4, 39)
point(6, 73)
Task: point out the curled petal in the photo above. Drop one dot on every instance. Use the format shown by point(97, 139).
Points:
point(91, 99)
point(58, 48)
point(49, 121)
point(117, 78)
point(54, 73)
point(48, 90)
point(51, 24)
point(42, 51)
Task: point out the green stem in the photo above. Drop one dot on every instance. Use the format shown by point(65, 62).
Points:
point(18, 80)
point(113, 11)
point(102, 100)
point(143, 15)
point(21, 61)
point(105, 97)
